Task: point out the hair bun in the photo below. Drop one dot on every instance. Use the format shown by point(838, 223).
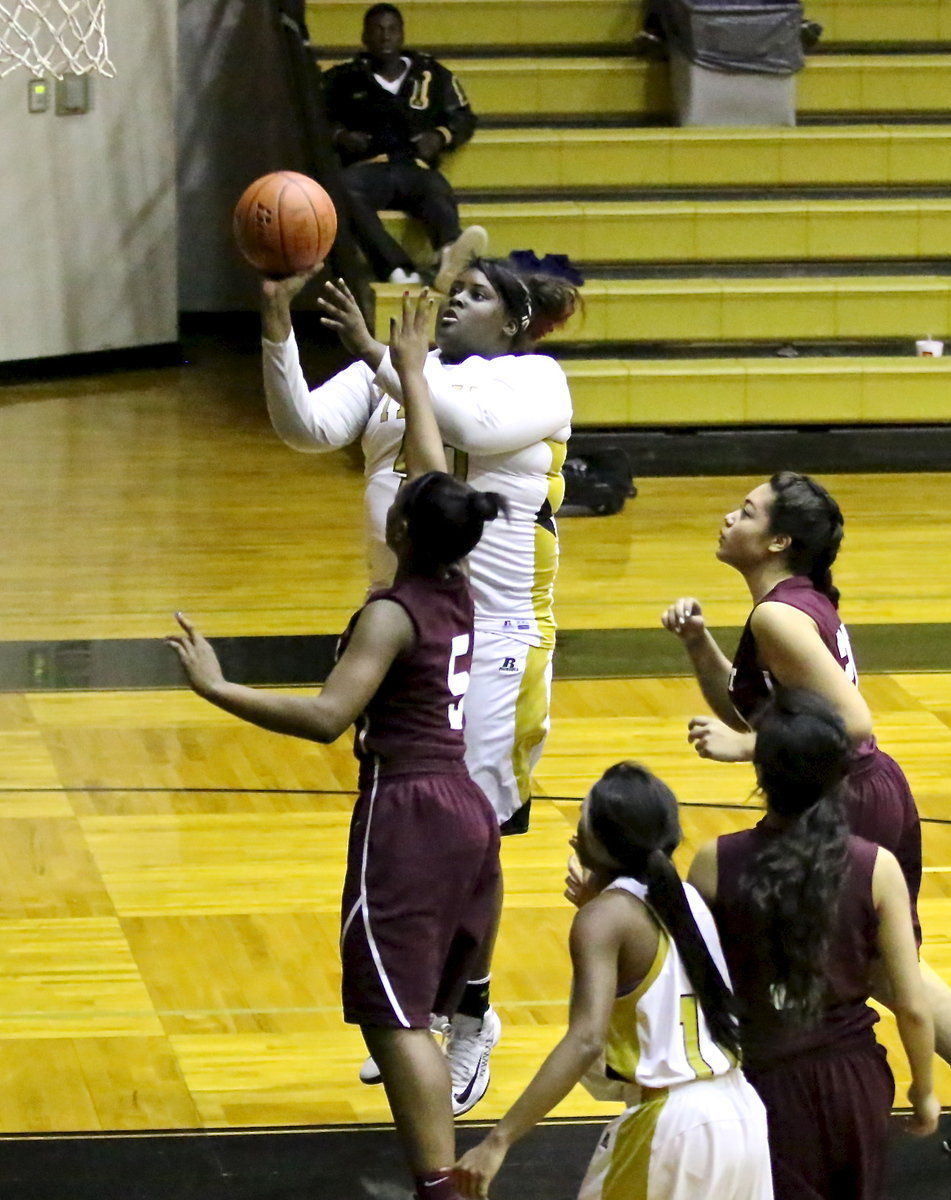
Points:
point(487, 505)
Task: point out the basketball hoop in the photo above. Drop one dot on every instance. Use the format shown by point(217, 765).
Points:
point(53, 37)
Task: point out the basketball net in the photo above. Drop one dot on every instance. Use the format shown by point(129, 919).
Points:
point(52, 37)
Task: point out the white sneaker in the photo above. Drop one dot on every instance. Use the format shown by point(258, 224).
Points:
point(401, 276)
point(468, 1047)
point(439, 1026)
point(370, 1072)
point(454, 258)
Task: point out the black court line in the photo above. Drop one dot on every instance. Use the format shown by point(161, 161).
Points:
point(232, 791)
point(301, 660)
point(338, 1163)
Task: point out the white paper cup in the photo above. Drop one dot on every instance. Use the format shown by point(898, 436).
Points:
point(929, 348)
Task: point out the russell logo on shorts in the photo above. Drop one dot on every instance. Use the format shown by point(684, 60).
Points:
point(509, 666)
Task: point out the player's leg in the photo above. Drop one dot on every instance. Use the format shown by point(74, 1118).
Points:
point(428, 196)
point(370, 189)
point(507, 706)
point(416, 1079)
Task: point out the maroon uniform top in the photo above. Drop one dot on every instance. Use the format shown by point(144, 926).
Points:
point(765, 1037)
point(414, 722)
point(751, 684)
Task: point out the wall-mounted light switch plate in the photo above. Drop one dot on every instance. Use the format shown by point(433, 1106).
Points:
point(37, 95)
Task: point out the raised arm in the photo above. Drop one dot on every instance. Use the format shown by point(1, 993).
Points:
point(409, 347)
point(896, 948)
point(511, 402)
point(383, 630)
point(335, 413)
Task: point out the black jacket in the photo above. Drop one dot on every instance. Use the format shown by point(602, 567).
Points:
point(430, 98)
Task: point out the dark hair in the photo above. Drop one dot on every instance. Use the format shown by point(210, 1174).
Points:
point(791, 887)
point(380, 10)
point(538, 302)
point(633, 814)
point(444, 519)
point(804, 511)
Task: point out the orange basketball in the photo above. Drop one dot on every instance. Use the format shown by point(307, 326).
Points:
point(284, 223)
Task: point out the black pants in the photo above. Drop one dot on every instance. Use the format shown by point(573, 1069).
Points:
point(423, 194)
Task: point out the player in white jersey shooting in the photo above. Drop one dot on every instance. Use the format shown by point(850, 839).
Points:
point(504, 412)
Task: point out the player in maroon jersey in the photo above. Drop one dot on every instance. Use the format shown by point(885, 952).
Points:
point(783, 540)
point(423, 858)
point(806, 912)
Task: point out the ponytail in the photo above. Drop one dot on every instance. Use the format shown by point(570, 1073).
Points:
point(633, 814)
point(804, 511)
point(444, 519)
point(665, 892)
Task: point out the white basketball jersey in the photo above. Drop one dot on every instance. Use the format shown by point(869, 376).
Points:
point(658, 1036)
point(506, 423)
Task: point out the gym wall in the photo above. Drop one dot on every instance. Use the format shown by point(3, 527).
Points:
point(87, 202)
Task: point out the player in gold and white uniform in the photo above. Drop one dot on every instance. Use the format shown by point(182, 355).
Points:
point(505, 415)
point(650, 1022)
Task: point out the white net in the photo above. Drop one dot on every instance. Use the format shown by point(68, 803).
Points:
point(52, 37)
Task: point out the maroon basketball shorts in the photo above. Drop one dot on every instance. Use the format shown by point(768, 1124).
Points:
point(880, 808)
point(828, 1114)
point(419, 896)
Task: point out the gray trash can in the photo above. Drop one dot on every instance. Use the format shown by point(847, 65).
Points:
point(734, 62)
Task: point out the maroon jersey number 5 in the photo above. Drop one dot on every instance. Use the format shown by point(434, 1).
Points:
point(458, 681)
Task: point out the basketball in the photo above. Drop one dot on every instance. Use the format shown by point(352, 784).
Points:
point(284, 223)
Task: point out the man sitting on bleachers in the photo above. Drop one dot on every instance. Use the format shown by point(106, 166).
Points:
point(393, 113)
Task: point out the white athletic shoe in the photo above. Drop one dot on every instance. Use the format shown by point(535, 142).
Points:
point(400, 276)
point(439, 1027)
point(454, 258)
point(468, 1048)
point(370, 1072)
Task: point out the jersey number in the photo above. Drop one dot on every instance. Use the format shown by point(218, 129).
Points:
point(458, 460)
point(458, 681)
point(844, 647)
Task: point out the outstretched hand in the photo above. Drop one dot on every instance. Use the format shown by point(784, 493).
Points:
point(202, 668)
point(276, 297)
point(342, 314)
point(283, 288)
point(409, 336)
point(685, 619)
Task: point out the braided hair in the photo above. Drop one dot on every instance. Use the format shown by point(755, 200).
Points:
point(633, 814)
point(804, 511)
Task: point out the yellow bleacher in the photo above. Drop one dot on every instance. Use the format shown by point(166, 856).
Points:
point(621, 87)
point(576, 155)
point(510, 24)
point(670, 231)
point(739, 310)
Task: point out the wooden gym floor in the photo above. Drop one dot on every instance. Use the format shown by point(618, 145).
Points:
point(169, 892)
